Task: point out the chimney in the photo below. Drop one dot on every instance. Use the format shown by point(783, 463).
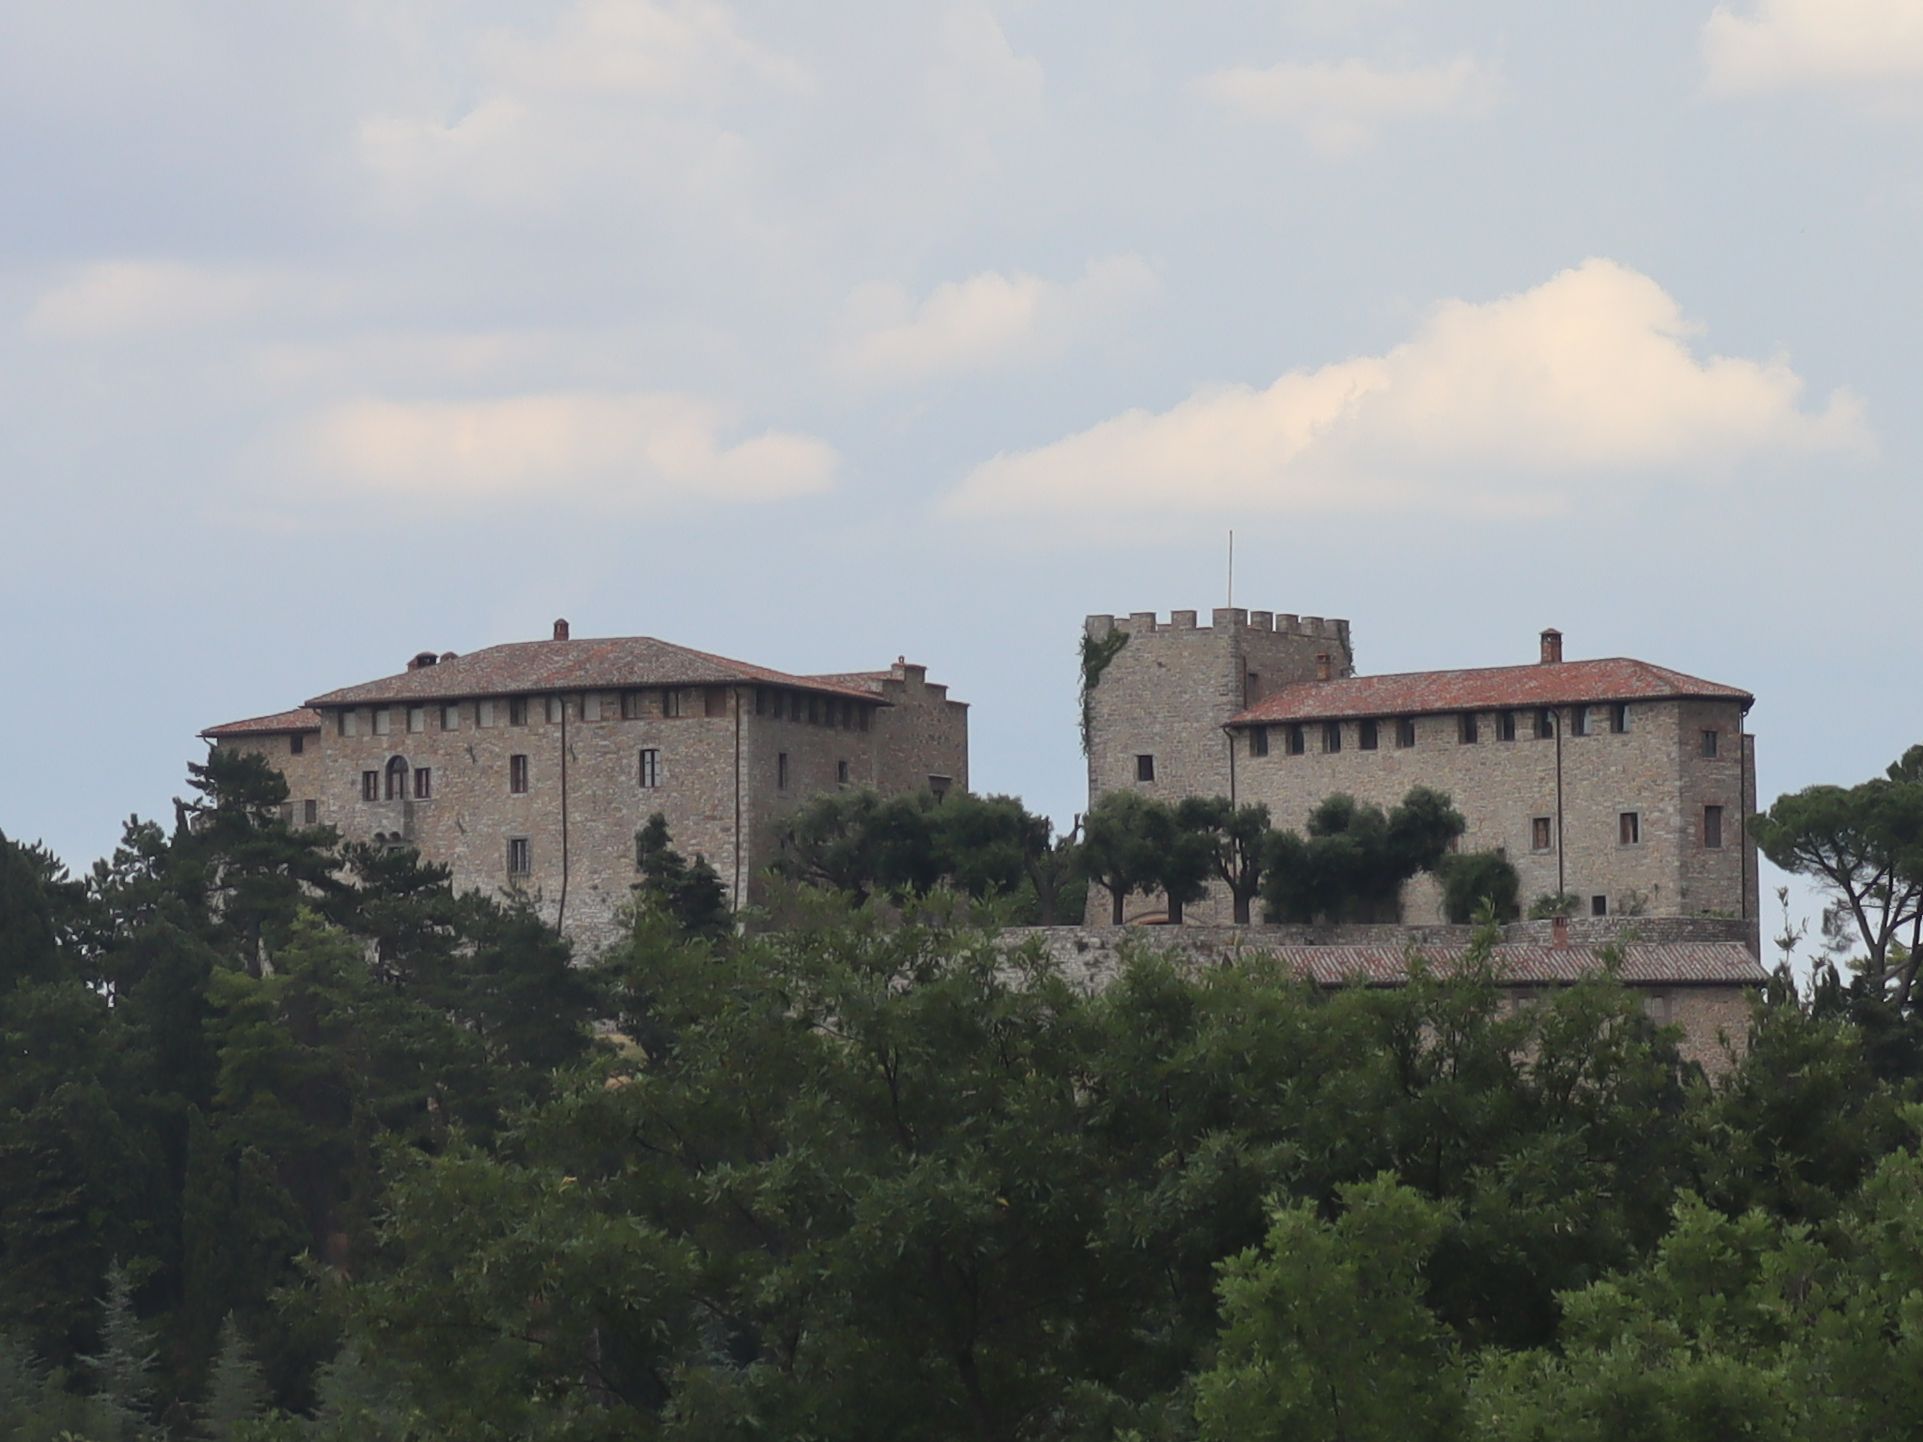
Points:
point(560, 630)
point(1322, 668)
point(1551, 646)
point(1559, 932)
point(422, 660)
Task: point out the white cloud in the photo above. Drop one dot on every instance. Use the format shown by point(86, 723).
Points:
point(1507, 406)
point(637, 48)
point(114, 297)
point(613, 448)
point(1791, 44)
point(985, 321)
point(1339, 107)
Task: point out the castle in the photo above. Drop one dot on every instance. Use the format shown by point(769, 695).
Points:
point(1621, 783)
point(528, 767)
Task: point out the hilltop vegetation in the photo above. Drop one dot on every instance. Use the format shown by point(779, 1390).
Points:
point(297, 1144)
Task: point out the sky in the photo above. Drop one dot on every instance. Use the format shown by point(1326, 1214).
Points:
point(818, 335)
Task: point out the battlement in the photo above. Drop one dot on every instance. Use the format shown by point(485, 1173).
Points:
point(1222, 618)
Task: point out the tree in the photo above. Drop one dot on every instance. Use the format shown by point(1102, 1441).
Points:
point(692, 897)
point(1473, 880)
point(1236, 838)
point(1863, 845)
point(236, 1388)
point(1055, 873)
point(1119, 847)
point(122, 1369)
point(1356, 858)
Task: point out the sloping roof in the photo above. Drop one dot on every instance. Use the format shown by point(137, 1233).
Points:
point(1488, 688)
point(611, 663)
point(869, 681)
point(1693, 963)
point(280, 723)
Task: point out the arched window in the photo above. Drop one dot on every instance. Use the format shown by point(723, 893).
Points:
point(397, 778)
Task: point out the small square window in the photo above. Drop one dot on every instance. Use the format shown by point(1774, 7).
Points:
point(423, 783)
point(590, 705)
point(938, 786)
point(1629, 828)
point(296, 743)
point(1258, 741)
point(761, 700)
point(520, 858)
point(450, 717)
point(630, 705)
point(517, 710)
point(1144, 768)
point(1298, 741)
point(1545, 723)
point(417, 718)
point(781, 770)
point(1578, 720)
point(484, 714)
point(1713, 826)
point(1405, 732)
point(670, 703)
point(1505, 726)
point(1331, 737)
point(370, 786)
point(344, 723)
point(517, 774)
point(650, 770)
point(1466, 731)
point(310, 812)
point(1710, 742)
point(1619, 717)
point(1366, 734)
point(1599, 906)
point(841, 772)
point(1541, 833)
point(383, 721)
point(556, 709)
point(1251, 688)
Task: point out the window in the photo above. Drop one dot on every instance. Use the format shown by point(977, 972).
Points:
point(1578, 720)
point(285, 813)
point(417, 718)
point(397, 779)
point(1365, 734)
point(450, 717)
point(1466, 731)
point(591, 706)
point(484, 714)
point(1405, 732)
point(1251, 688)
point(630, 705)
point(383, 721)
point(1505, 726)
point(310, 812)
point(938, 786)
point(1658, 1007)
point(517, 710)
point(1144, 768)
point(781, 770)
point(1710, 739)
point(1331, 737)
point(556, 709)
point(423, 783)
point(1619, 717)
point(517, 774)
point(1259, 741)
point(670, 703)
point(1298, 743)
point(841, 772)
point(370, 786)
point(1599, 906)
point(650, 772)
point(1541, 833)
point(715, 701)
point(296, 743)
point(1545, 723)
point(520, 859)
point(814, 710)
point(761, 700)
point(861, 717)
point(1712, 826)
point(344, 723)
point(1629, 829)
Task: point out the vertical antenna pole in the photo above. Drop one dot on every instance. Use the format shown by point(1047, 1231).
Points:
point(1231, 600)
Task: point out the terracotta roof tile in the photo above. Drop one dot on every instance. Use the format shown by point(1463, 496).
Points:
point(522, 667)
point(280, 723)
point(1488, 688)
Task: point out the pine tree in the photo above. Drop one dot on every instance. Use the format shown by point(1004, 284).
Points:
point(122, 1369)
point(237, 1391)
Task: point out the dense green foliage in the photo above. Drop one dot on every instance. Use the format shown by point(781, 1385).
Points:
point(297, 1144)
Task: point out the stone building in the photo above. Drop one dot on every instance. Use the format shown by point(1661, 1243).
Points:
point(528, 767)
point(1622, 783)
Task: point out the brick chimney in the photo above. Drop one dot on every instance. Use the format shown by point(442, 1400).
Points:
point(1323, 670)
point(1559, 932)
point(560, 630)
point(1551, 646)
point(421, 660)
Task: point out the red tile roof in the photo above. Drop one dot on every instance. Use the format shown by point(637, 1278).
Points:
point(279, 724)
point(1488, 688)
point(523, 667)
point(1690, 963)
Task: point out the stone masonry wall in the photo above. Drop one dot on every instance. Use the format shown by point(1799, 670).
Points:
point(919, 735)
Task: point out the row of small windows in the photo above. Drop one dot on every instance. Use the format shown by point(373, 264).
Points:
point(1629, 830)
point(393, 784)
point(1468, 726)
point(669, 703)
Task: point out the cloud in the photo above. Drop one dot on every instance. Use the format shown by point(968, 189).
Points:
point(619, 449)
point(1794, 44)
point(986, 321)
point(1507, 406)
point(1339, 107)
point(116, 297)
